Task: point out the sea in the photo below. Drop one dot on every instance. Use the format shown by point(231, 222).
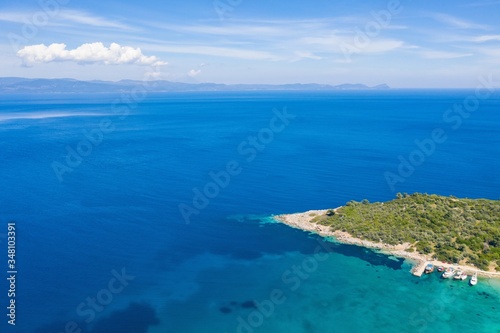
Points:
point(153, 212)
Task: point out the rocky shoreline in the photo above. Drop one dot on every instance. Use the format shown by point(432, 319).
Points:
point(303, 221)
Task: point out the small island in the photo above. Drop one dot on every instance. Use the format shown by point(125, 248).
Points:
point(436, 229)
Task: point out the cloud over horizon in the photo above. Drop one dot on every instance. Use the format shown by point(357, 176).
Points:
point(89, 53)
point(194, 72)
point(278, 42)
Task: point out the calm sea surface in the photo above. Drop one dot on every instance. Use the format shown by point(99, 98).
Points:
point(155, 217)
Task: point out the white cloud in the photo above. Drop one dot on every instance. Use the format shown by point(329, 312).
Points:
point(486, 38)
point(271, 40)
point(299, 55)
point(443, 55)
point(336, 44)
point(456, 22)
point(329, 41)
point(88, 19)
point(15, 17)
point(64, 17)
point(239, 53)
point(481, 4)
point(194, 72)
point(87, 54)
point(230, 30)
point(493, 53)
point(383, 45)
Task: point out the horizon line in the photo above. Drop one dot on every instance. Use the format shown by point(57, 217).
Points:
point(369, 87)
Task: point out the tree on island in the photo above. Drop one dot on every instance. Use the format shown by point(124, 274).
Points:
point(451, 229)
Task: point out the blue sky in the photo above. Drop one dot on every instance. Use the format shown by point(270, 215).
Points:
point(401, 43)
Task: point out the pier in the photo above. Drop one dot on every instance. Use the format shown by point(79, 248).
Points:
point(418, 270)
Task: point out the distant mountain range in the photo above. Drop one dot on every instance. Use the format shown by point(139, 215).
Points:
point(16, 85)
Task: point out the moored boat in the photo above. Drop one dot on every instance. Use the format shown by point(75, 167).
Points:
point(440, 268)
point(429, 269)
point(458, 274)
point(473, 279)
point(448, 273)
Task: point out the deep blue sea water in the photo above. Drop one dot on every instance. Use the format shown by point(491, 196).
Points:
point(228, 267)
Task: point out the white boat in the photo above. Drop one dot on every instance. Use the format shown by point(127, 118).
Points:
point(458, 274)
point(448, 273)
point(473, 280)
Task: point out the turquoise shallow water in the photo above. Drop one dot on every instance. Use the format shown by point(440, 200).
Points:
point(332, 292)
point(231, 269)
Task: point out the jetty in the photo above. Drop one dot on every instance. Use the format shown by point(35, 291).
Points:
point(418, 270)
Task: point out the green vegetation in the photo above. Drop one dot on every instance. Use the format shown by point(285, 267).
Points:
point(452, 229)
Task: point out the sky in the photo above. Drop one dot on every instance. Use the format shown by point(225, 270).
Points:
point(403, 43)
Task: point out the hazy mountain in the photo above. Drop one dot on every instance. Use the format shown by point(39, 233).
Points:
point(23, 85)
